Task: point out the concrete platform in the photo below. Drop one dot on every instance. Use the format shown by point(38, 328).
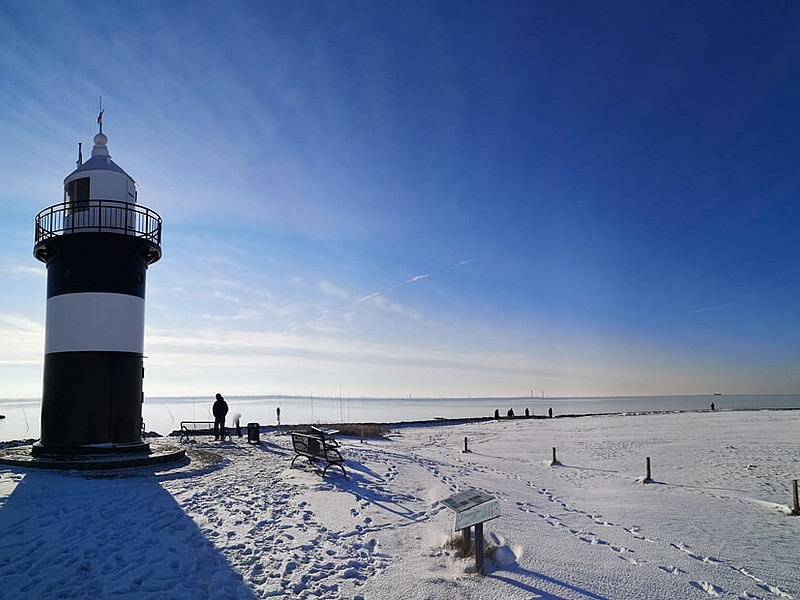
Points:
point(157, 453)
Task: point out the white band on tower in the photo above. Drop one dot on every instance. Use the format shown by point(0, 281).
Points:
point(94, 321)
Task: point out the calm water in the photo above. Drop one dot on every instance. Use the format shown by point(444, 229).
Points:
point(165, 414)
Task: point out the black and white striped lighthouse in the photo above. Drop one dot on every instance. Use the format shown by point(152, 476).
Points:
point(97, 245)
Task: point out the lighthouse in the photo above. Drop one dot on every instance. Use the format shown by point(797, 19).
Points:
point(97, 244)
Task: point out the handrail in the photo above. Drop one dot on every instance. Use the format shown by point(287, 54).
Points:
point(102, 216)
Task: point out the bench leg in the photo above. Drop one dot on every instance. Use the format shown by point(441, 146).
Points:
point(325, 470)
point(311, 460)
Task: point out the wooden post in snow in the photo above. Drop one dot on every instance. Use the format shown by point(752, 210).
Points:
point(648, 478)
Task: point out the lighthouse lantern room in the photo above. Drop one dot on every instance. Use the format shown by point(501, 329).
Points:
point(97, 245)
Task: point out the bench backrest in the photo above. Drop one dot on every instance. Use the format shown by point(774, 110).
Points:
point(197, 425)
point(308, 444)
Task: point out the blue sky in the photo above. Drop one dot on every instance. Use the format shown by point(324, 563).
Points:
point(427, 199)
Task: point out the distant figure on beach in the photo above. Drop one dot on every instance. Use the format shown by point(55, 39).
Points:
point(496, 413)
point(510, 413)
point(712, 406)
point(550, 412)
point(527, 413)
point(278, 412)
point(219, 410)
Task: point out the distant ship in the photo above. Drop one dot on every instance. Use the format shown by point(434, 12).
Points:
point(718, 393)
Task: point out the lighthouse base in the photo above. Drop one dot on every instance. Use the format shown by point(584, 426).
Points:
point(38, 449)
point(29, 456)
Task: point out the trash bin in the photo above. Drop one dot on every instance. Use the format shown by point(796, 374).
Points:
point(253, 433)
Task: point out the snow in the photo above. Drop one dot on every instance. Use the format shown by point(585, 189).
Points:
point(713, 523)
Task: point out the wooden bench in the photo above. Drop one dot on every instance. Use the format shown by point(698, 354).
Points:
point(189, 428)
point(319, 445)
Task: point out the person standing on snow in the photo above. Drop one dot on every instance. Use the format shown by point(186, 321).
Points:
point(220, 409)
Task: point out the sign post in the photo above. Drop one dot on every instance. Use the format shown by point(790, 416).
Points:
point(473, 507)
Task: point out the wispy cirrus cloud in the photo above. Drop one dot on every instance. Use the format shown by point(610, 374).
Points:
point(333, 290)
point(710, 308)
point(379, 299)
point(39, 271)
point(418, 278)
point(206, 347)
point(21, 340)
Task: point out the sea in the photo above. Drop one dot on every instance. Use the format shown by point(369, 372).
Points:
point(164, 415)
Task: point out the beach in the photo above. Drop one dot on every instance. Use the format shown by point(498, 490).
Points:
point(239, 522)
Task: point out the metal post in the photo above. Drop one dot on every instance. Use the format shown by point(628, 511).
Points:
point(479, 548)
point(795, 504)
point(466, 449)
point(648, 478)
point(554, 461)
point(467, 539)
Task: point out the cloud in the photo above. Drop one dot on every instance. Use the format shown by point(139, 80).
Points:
point(261, 349)
point(418, 277)
point(21, 340)
point(384, 304)
point(368, 297)
point(459, 264)
point(378, 299)
point(38, 272)
point(227, 297)
point(334, 291)
point(22, 323)
point(244, 314)
point(709, 308)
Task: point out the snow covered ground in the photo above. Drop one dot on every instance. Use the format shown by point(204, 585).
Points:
point(714, 522)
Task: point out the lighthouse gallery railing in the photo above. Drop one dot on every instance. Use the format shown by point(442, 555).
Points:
point(106, 216)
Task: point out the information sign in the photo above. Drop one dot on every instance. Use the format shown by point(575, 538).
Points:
point(473, 507)
point(477, 514)
point(466, 499)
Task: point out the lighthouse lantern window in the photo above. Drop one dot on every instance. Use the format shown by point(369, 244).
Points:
point(77, 192)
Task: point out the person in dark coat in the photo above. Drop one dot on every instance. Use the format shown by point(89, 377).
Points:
point(220, 409)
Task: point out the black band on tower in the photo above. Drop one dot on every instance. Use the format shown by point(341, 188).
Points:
point(96, 262)
point(91, 397)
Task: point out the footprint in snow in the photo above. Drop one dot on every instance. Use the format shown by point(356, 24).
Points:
point(708, 588)
point(672, 570)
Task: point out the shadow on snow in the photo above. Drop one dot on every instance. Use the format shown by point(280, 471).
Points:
point(541, 593)
point(73, 535)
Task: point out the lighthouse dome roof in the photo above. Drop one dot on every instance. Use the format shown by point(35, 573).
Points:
point(100, 159)
point(99, 163)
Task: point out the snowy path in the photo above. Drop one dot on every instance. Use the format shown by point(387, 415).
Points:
point(713, 524)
